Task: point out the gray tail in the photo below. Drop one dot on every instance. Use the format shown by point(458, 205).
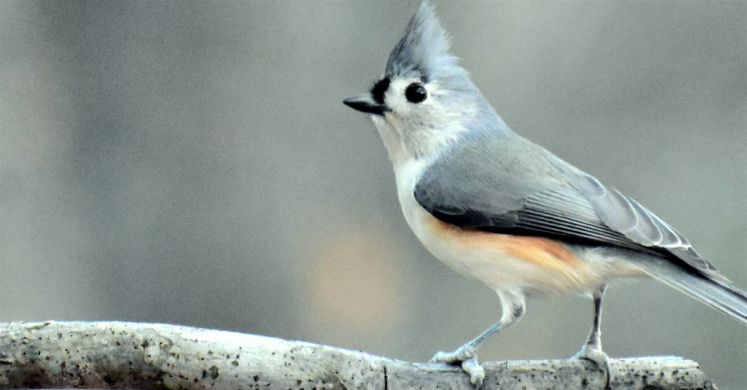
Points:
point(713, 290)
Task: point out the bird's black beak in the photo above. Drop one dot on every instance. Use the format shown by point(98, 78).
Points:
point(364, 103)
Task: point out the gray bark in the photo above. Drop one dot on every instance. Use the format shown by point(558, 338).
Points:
point(153, 356)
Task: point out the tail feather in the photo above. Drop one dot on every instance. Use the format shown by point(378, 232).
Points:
point(713, 290)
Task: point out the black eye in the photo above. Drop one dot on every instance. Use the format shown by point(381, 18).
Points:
point(415, 93)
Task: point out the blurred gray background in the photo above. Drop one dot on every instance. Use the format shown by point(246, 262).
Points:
point(192, 163)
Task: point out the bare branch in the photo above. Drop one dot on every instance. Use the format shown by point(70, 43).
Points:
point(153, 356)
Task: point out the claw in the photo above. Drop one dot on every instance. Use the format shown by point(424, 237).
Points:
point(458, 356)
point(597, 356)
point(475, 371)
point(465, 356)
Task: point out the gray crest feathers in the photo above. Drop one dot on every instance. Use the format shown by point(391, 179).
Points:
point(424, 50)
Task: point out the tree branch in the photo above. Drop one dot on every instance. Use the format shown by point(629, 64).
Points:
point(106, 355)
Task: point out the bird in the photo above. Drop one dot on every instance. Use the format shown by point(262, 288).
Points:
point(494, 206)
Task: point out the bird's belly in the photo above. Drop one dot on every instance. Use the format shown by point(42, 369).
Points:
point(503, 261)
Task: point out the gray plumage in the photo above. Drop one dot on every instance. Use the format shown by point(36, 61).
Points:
point(456, 160)
point(534, 193)
point(424, 51)
point(495, 180)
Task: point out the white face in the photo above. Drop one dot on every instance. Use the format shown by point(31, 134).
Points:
point(407, 105)
point(417, 122)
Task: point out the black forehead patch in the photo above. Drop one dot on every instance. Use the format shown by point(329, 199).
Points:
point(377, 92)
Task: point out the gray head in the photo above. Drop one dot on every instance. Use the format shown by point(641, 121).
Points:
point(424, 100)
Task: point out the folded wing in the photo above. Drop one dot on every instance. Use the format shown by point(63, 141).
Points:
point(554, 200)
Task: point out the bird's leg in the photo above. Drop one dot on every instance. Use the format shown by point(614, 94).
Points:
point(592, 351)
point(513, 307)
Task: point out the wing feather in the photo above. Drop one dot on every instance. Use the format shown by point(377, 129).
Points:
point(618, 212)
point(553, 200)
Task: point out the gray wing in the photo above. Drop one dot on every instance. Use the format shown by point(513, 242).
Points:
point(623, 214)
point(481, 187)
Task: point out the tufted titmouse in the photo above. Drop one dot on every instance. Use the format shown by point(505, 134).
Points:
point(494, 206)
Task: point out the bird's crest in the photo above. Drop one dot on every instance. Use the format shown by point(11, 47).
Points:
point(424, 50)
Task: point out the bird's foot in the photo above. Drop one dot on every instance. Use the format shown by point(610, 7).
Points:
point(595, 355)
point(467, 358)
point(461, 354)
